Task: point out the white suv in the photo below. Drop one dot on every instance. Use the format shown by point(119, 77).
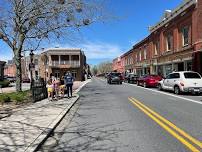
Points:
point(184, 81)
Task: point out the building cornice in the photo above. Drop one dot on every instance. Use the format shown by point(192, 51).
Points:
point(62, 51)
point(184, 6)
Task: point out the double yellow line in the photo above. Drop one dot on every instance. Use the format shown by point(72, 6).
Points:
point(178, 133)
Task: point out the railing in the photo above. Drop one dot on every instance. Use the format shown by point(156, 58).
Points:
point(55, 63)
point(75, 63)
point(64, 62)
point(71, 63)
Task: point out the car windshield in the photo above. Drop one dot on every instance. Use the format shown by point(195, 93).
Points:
point(116, 74)
point(192, 75)
point(153, 76)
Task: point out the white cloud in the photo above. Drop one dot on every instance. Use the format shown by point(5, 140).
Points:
point(95, 50)
point(101, 50)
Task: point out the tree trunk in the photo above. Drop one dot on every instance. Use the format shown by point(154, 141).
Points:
point(18, 70)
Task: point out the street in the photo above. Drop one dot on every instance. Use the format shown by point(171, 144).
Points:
point(11, 88)
point(130, 118)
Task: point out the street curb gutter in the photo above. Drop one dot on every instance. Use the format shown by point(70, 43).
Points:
point(38, 142)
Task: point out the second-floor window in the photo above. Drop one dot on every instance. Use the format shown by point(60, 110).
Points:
point(145, 53)
point(129, 60)
point(185, 35)
point(140, 56)
point(169, 42)
point(156, 48)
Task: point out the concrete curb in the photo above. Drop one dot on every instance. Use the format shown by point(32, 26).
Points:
point(36, 144)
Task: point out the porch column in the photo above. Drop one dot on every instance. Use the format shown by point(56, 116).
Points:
point(70, 59)
point(59, 59)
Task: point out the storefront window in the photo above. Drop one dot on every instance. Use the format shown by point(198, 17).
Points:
point(189, 66)
point(57, 74)
point(74, 73)
point(168, 69)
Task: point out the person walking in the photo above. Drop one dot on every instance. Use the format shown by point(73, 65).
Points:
point(68, 80)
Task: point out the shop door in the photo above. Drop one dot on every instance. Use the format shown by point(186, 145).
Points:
point(181, 66)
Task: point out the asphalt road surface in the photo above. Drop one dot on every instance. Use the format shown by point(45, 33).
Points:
point(127, 118)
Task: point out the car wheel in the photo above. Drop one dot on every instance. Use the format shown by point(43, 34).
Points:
point(160, 87)
point(120, 82)
point(176, 90)
point(145, 84)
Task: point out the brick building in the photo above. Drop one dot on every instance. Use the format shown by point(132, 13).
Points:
point(175, 43)
point(58, 61)
point(10, 69)
point(117, 65)
point(2, 63)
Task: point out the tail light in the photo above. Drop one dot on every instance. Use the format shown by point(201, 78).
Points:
point(151, 80)
point(121, 77)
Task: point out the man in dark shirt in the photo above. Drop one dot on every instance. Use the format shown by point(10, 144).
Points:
point(68, 80)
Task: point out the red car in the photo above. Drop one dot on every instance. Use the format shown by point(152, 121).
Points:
point(25, 80)
point(149, 80)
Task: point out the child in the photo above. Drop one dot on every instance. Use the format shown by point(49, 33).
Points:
point(62, 87)
point(50, 90)
point(57, 88)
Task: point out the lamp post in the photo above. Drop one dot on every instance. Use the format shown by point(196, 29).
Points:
point(31, 66)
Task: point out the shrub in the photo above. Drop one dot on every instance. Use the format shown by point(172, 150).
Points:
point(15, 97)
point(4, 98)
point(4, 83)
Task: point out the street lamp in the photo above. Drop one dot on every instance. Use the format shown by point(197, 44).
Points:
point(31, 66)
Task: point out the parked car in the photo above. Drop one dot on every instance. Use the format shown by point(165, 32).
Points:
point(131, 78)
point(11, 79)
point(106, 74)
point(149, 80)
point(114, 77)
point(180, 82)
point(25, 80)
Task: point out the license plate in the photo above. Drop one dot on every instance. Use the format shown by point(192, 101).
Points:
point(196, 90)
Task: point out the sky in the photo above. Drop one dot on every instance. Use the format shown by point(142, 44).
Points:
point(104, 41)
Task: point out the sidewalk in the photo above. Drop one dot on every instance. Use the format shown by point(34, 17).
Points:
point(28, 127)
point(26, 86)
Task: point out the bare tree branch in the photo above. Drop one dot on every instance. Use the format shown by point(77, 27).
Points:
point(27, 22)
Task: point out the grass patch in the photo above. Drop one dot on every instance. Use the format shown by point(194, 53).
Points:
point(4, 83)
point(17, 97)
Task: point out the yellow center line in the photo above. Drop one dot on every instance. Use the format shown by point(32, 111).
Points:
point(169, 130)
point(182, 132)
